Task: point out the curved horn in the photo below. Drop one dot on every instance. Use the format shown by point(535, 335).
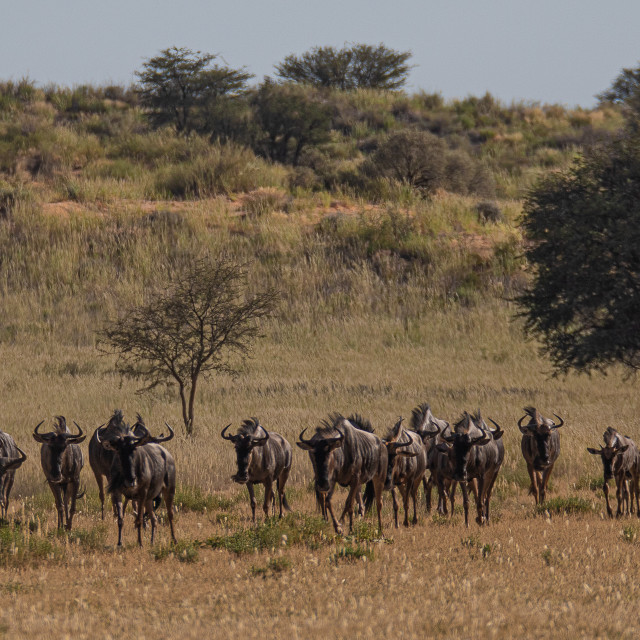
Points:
point(401, 445)
point(225, 431)
point(23, 455)
point(301, 439)
point(79, 436)
point(145, 438)
point(261, 440)
point(41, 437)
point(451, 438)
point(557, 426)
point(162, 437)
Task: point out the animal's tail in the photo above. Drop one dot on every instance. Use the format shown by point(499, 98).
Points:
point(285, 503)
point(369, 495)
point(81, 491)
point(532, 491)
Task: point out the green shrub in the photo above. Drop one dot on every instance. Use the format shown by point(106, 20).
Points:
point(561, 506)
point(352, 553)
point(183, 551)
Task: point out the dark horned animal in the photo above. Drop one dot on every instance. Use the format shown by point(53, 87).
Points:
point(262, 457)
point(62, 462)
point(620, 461)
point(11, 457)
point(100, 458)
point(141, 470)
point(475, 455)
point(540, 447)
point(406, 466)
point(428, 427)
point(341, 453)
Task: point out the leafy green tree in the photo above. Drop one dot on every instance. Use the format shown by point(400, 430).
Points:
point(358, 66)
point(583, 228)
point(416, 158)
point(177, 85)
point(202, 322)
point(625, 91)
point(290, 118)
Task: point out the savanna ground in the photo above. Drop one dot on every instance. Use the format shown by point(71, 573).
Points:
point(566, 571)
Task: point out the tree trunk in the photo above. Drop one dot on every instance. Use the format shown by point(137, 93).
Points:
point(188, 425)
point(192, 398)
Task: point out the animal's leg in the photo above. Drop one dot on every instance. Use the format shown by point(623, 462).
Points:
point(73, 488)
point(252, 500)
point(427, 485)
point(405, 490)
point(605, 489)
point(414, 496)
point(167, 494)
point(268, 496)
point(452, 496)
point(151, 514)
point(57, 496)
point(546, 474)
point(479, 494)
point(139, 519)
point(117, 503)
point(534, 483)
point(487, 498)
point(348, 505)
point(465, 502)
point(327, 502)
point(395, 506)
point(282, 481)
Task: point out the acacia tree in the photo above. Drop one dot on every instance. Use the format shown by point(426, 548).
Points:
point(176, 86)
point(201, 323)
point(289, 118)
point(625, 91)
point(583, 228)
point(360, 66)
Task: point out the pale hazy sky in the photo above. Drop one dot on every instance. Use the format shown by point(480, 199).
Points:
point(549, 51)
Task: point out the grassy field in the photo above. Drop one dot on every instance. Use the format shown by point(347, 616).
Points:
point(528, 574)
point(390, 297)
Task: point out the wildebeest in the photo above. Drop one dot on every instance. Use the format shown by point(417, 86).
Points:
point(428, 427)
point(11, 457)
point(262, 457)
point(540, 447)
point(406, 466)
point(62, 462)
point(141, 470)
point(475, 455)
point(621, 461)
point(342, 453)
point(101, 458)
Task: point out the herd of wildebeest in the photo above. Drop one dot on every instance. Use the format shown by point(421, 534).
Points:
point(342, 451)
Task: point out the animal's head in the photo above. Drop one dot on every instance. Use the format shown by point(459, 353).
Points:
point(395, 450)
point(57, 441)
point(321, 447)
point(250, 435)
point(124, 445)
point(613, 448)
point(540, 429)
point(458, 445)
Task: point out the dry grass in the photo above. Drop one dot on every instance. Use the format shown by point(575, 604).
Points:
point(526, 575)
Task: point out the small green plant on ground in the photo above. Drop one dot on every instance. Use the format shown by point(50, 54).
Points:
point(293, 529)
point(183, 550)
point(352, 553)
point(274, 567)
point(561, 506)
point(630, 534)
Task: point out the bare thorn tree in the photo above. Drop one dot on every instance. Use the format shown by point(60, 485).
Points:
point(202, 322)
